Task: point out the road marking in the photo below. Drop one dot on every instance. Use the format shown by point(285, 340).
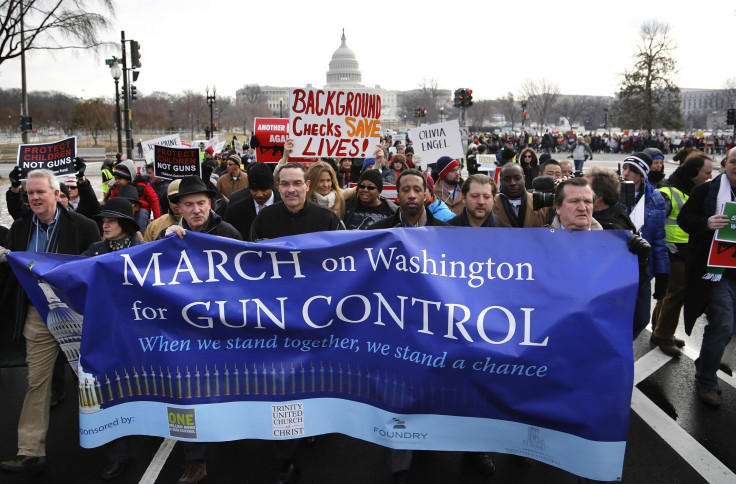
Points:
point(158, 461)
point(648, 364)
point(697, 456)
point(693, 355)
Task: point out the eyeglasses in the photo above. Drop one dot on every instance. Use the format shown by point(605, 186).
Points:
point(367, 187)
point(527, 156)
point(287, 184)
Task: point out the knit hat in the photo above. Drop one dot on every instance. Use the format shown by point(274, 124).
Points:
point(235, 157)
point(210, 150)
point(373, 176)
point(507, 154)
point(654, 153)
point(641, 160)
point(71, 182)
point(368, 162)
point(445, 164)
point(260, 177)
point(124, 169)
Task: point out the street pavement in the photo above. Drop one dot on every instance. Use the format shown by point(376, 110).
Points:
point(673, 437)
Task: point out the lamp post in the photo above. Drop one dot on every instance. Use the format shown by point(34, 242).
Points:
point(117, 72)
point(281, 106)
point(211, 100)
point(442, 114)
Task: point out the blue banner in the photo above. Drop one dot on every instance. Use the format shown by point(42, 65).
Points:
point(446, 338)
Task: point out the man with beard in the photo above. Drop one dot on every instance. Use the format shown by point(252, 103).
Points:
point(478, 195)
point(448, 184)
point(514, 205)
point(411, 187)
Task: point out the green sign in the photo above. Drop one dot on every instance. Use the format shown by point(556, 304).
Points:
point(728, 233)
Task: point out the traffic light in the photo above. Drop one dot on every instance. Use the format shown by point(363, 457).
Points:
point(468, 98)
point(133, 92)
point(215, 127)
point(456, 100)
point(135, 54)
point(730, 116)
point(417, 112)
point(26, 123)
point(423, 112)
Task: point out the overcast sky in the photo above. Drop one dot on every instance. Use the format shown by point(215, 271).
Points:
point(492, 49)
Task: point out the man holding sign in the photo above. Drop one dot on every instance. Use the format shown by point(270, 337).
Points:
point(710, 280)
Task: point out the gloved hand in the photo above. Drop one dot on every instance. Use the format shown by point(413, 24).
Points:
point(112, 183)
point(80, 166)
point(15, 176)
point(639, 246)
point(660, 285)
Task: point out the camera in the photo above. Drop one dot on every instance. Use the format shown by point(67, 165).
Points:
point(628, 195)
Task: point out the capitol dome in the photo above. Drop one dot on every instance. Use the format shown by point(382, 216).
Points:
point(344, 71)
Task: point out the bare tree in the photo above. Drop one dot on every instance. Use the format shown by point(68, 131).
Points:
point(252, 94)
point(729, 92)
point(648, 97)
point(479, 114)
point(573, 107)
point(51, 25)
point(430, 88)
point(511, 108)
point(541, 94)
point(94, 116)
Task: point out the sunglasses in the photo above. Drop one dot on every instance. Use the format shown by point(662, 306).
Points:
point(367, 187)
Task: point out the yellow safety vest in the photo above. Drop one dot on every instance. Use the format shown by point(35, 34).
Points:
point(674, 233)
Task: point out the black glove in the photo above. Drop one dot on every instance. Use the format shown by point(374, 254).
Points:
point(660, 285)
point(15, 176)
point(639, 246)
point(80, 166)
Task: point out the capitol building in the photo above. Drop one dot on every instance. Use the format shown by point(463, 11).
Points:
point(343, 73)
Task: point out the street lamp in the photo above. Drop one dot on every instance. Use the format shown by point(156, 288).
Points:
point(117, 73)
point(442, 113)
point(211, 100)
point(281, 104)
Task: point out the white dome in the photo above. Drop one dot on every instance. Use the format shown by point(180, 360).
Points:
point(344, 69)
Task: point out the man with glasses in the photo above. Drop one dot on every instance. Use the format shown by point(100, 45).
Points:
point(294, 214)
point(448, 184)
point(367, 206)
point(234, 178)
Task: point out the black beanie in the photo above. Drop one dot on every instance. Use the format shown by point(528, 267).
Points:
point(260, 177)
point(372, 176)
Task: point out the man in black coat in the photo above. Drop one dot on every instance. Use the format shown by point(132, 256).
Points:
point(709, 290)
point(411, 187)
point(478, 196)
point(241, 214)
point(48, 227)
point(294, 214)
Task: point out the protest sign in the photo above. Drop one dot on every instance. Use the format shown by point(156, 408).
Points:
point(487, 163)
point(172, 163)
point(432, 141)
point(722, 254)
point(270, 135)
point(170, 140)
point(57, 156)
point(728, 233)
point(334, 123)
point(423, 337)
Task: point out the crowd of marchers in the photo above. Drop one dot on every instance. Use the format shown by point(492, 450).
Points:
point(240, 198)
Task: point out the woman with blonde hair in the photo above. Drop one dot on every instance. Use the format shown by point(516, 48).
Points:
point(324, 189)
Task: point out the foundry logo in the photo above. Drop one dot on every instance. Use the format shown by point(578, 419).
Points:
point(396, 430)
